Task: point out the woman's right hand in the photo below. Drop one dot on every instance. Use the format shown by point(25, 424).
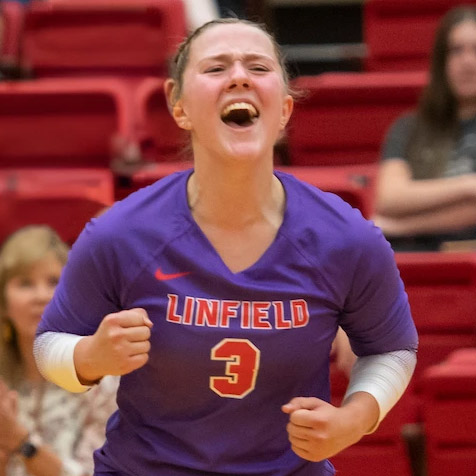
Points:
point(12, 431)
point(119, 346)
point(4, 458)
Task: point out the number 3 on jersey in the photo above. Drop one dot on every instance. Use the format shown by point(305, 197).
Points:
point(242, 364)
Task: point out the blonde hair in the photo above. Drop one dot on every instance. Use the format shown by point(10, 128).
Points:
point(19, 253)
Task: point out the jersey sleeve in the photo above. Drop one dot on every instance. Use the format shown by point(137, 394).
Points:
point(376, 314)
point(89, 287)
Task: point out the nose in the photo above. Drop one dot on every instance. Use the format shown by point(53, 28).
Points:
point(44, 292)
point(239, 77)
point(469, 55)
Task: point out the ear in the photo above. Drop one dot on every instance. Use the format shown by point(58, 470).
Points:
point(169, 85)
point(288, 105)
point(175, 106)
point(180, 116)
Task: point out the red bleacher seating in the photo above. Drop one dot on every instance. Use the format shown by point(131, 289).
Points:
point(60, 122)
point(343, 117)
point(62, 198)
point(160, 138)
point(399, 34)
point(125, 37)
point(12, 16)
point(441, 289)
point(449, 405)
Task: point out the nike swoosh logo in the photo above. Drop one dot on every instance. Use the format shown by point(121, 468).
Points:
point(161, 276)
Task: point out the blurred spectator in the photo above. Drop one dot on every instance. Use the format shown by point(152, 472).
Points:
point(45, 431)
point(199, 12)
point(426, 193)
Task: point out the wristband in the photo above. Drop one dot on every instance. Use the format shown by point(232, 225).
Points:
point(28, 447)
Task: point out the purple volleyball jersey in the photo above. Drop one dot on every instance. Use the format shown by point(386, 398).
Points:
point(228, 349)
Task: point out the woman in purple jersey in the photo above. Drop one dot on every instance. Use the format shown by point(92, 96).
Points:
point(217, 292)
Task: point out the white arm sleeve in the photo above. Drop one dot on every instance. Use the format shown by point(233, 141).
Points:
point(53, 353)
point(384, 376)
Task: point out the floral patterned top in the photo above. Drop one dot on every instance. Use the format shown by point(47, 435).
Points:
point(71, 424)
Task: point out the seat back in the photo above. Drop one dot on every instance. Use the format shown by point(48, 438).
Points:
point(399, 34)
point(343, 117)
point(160, 138)
point(441, 289)
point(65, 199)
point(60, 122)
point(126, 37)
point(449, 405)
point(10, 37)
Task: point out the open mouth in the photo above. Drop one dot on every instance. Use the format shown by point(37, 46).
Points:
point(239, 114)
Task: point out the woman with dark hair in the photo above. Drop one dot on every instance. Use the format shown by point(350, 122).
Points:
point(426, 194)
point(217, 292)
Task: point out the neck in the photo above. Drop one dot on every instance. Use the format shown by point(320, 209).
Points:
point(467, 110)
point(235, 195)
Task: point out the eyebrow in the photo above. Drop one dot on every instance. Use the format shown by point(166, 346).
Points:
point(227, 56)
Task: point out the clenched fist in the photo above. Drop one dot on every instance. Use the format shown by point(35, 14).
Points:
point(318, 430)
point(119, 346)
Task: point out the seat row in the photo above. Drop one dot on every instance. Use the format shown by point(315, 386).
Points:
point(59, 37)
point(441, 398)
point(84, 37)
point(338, 125)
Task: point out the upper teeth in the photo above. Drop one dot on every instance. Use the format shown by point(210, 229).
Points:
point(240, 105)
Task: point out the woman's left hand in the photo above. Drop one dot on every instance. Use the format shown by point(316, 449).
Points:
point(318, 430)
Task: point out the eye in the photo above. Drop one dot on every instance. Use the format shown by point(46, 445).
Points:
point(259, 68)
point(455, 50)
point(215, 69)
point(53, 281)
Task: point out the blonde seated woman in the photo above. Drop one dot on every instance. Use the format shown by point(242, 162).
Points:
point(45, 431)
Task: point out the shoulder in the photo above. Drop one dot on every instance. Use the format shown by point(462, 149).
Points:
point(403, 124)
point(325, 220)
point(150, 215)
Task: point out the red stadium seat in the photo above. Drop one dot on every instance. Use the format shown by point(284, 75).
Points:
point(441, 289)
point(10, 40)
point(363, 459)
point(462, 356)
point(65, 199)
point(160, 138)
point(399, 34)
point(449, 406)
point(343, 117)
point(61, 122)
point(353, 183)
point(125, 37)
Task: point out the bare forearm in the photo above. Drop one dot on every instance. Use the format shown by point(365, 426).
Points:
point(399, 194)
point(446, 219)
point(86, 369)
point(363, 411)
point(424, 196)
